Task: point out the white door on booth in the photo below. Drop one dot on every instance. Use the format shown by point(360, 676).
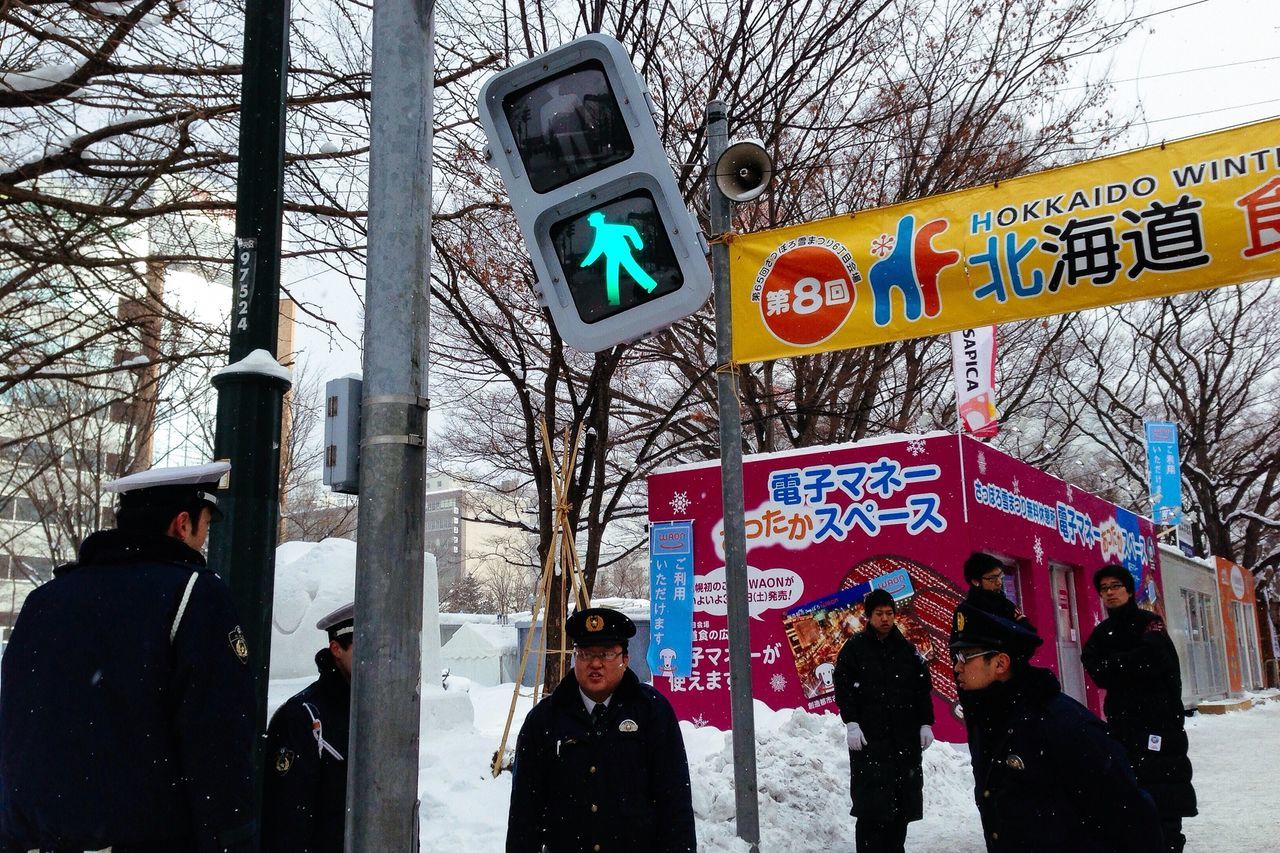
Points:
point(1067, 622)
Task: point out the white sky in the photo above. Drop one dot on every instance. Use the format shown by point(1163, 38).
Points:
point(1206, 65)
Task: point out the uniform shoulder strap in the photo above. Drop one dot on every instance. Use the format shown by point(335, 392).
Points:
point(182, 604)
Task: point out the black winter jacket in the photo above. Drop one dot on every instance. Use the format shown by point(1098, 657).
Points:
point(125, 716)
point(305, 797)
point(883, 686)
point(1049, 779)
point(1131, 656)
point(622, 783)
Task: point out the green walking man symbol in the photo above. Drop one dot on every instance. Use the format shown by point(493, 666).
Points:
point(616, 243)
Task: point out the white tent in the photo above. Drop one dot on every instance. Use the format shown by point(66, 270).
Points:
point(486, 654)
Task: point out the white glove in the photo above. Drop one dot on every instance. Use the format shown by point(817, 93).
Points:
point(855, 738)
point(926, 736)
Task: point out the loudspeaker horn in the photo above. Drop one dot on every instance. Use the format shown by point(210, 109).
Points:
point(744, 170)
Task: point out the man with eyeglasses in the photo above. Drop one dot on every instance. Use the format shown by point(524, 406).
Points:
point(985, 576)
point(600, 763)
point(1048, 779)
point(1131, 656)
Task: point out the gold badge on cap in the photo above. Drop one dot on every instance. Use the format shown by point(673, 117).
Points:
point(628, 726)
point(238, 644)
point(284, 760)
point(595, 622)
point(959, 621)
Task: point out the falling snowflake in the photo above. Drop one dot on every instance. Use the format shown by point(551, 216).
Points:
point(882, 245)
point(680, 502)
point(982, 463)
point(1017, 487)
point(778, 682)
point(1039, 549)
point(915, 446)
point(699, 721)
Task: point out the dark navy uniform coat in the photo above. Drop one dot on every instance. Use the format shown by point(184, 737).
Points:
point(1131, 656)
point(1048, 777)
point(883, 686)
point(126, 717)
point(305, 797)
point(619, 784)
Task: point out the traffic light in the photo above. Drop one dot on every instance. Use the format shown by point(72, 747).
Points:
point(617, 254)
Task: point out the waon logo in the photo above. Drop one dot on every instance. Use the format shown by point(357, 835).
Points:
point(806, 290)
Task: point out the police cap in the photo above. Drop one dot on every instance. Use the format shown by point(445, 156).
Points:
point(340, 622)
point(175, 488)
point(600, 626)
point(972, 627)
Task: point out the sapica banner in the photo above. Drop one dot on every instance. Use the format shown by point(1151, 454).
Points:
point(1199, 213)
point(973, 363)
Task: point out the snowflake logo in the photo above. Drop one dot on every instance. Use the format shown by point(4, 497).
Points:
point(1017, 487)
point(982, 463)
point(1039, 549)
point(778, 682)
point(680, 502)
point(882, 245)
point(699, 721)
point(915, 446)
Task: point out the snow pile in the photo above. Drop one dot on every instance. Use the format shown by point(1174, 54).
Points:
point(802, 768)
point(312, 579)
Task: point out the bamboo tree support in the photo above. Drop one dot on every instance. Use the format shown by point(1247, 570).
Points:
point(561, 562)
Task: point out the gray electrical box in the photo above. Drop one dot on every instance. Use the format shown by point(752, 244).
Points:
point(342, 435)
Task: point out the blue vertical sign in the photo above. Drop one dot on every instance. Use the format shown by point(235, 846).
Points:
point(1164, 474)
point(671, 598)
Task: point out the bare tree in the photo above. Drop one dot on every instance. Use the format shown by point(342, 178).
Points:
point(1207, 362)
point(862, 103)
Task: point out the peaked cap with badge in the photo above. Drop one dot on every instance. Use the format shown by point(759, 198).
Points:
point(600, 626)
point(972, 627)
point(340, 622)
point(173, 488)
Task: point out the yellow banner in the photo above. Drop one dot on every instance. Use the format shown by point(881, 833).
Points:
point(1200, 213)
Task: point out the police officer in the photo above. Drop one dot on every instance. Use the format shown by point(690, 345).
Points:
point(883, 692)
point(600, 763)
point(1048, 778)
point(1131, 656)
point(127, 714)
point(305, 797)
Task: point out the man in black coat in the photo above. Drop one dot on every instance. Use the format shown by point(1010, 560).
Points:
point(883, 692)
point(600, 763)
point(127, 710)
point(1048, 778)
point(985, 576)
point(304, 807)
point(1131, 656)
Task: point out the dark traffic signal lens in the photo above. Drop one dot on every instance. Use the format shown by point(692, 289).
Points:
point(568, 127)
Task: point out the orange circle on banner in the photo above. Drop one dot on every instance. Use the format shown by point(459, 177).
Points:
point(806, 296)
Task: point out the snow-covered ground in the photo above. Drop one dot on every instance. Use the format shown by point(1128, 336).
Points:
point(803, 772)
point(802, 764)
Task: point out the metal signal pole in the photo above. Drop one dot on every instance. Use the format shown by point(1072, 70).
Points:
point(746, 797)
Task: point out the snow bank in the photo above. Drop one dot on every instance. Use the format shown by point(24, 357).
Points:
point(312, 579)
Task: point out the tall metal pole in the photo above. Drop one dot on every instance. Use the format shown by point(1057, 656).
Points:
point(382, 778)
point(746, 799)
point(243, 548)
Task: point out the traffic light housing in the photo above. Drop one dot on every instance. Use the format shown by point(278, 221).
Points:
point(617, 254)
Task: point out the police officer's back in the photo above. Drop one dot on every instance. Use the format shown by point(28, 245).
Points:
point(126, 716)
point(305, 797)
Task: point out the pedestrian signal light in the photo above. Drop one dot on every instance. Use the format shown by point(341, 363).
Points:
point(617, 254)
